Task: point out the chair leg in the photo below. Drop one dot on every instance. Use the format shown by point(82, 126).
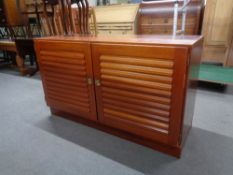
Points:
point(31, 60)
point(37, 67)
point(13, 59)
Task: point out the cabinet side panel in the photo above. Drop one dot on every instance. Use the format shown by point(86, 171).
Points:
point(194, 64)
point(178, 94)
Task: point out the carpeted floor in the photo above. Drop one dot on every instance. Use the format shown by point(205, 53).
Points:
point(32, 142)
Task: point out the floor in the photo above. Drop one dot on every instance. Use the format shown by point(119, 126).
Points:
point(32, 142)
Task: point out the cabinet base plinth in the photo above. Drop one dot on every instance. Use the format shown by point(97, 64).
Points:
point(173, 151)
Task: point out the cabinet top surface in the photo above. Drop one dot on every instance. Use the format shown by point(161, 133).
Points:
point(129, 39)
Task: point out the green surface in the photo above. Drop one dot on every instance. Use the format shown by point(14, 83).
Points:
point(214, 73)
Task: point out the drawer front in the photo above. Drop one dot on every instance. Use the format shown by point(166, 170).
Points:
point(115, 28)
point(165, 29)
point(66, 71)
point(165, 20)
point(115, 32)
point(140, 89)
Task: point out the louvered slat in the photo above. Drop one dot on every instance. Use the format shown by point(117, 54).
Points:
point(135, 91)
point(64, 76)
point(65, 95)
point(138, 76)
point(138, 61)
point(138, 69)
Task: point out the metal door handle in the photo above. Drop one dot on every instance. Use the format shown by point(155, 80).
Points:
point(89, 81)
point(97, 83)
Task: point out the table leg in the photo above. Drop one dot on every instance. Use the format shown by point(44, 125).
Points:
point(23, 70)
point(21, 66)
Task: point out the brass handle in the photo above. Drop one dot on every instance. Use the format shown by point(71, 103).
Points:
point(97, 82)
point(89, 81)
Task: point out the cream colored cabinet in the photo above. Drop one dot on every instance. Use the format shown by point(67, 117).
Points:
point(217, 30)
point(116, 19)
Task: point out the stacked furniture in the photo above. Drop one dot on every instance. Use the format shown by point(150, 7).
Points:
point(156, 17)
point(46, 13)
point(7, 47)
point(117, 19)
point(138, 87)
point(218, 32)
point(16, 22)
point(20, 40)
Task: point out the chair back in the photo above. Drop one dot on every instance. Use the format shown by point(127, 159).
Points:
point(83, 15)
point(63, 19)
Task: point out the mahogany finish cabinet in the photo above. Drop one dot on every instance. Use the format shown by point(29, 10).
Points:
point(141, 88)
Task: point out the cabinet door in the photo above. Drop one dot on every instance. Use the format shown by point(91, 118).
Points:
point(66, 72)
point(217, 29)
point(140, 89)
point(218, 22)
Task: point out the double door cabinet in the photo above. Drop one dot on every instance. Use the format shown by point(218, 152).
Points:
point(139, 88)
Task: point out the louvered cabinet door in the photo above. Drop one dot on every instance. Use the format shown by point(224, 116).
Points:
point(140, 89)
point(66, 71)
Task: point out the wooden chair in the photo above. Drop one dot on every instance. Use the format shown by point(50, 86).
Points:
point(83, 15)
point(48, 14)
point(58, 17)
point(65, 17)
point(21, 34)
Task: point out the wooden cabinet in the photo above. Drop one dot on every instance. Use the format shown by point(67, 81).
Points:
point(116, 19)
point(217, 29)
point(156, 17)
point(143, 88)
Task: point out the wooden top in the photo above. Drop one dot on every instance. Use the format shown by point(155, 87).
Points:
point(129, 39)
point(7, 42)
point(8, 45)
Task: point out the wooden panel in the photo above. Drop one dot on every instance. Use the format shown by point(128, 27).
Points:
point(110, 14)
point(109, 22)
point(8, 46)
point(230, 55)
point(217, 29)
point(157, 17)
point(14, 17)
point(218, 22)
point(65, 69)
point(136, 83)
point(191, 86)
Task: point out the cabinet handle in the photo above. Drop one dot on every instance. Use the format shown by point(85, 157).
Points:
point(97, 82)
point(89, 81)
